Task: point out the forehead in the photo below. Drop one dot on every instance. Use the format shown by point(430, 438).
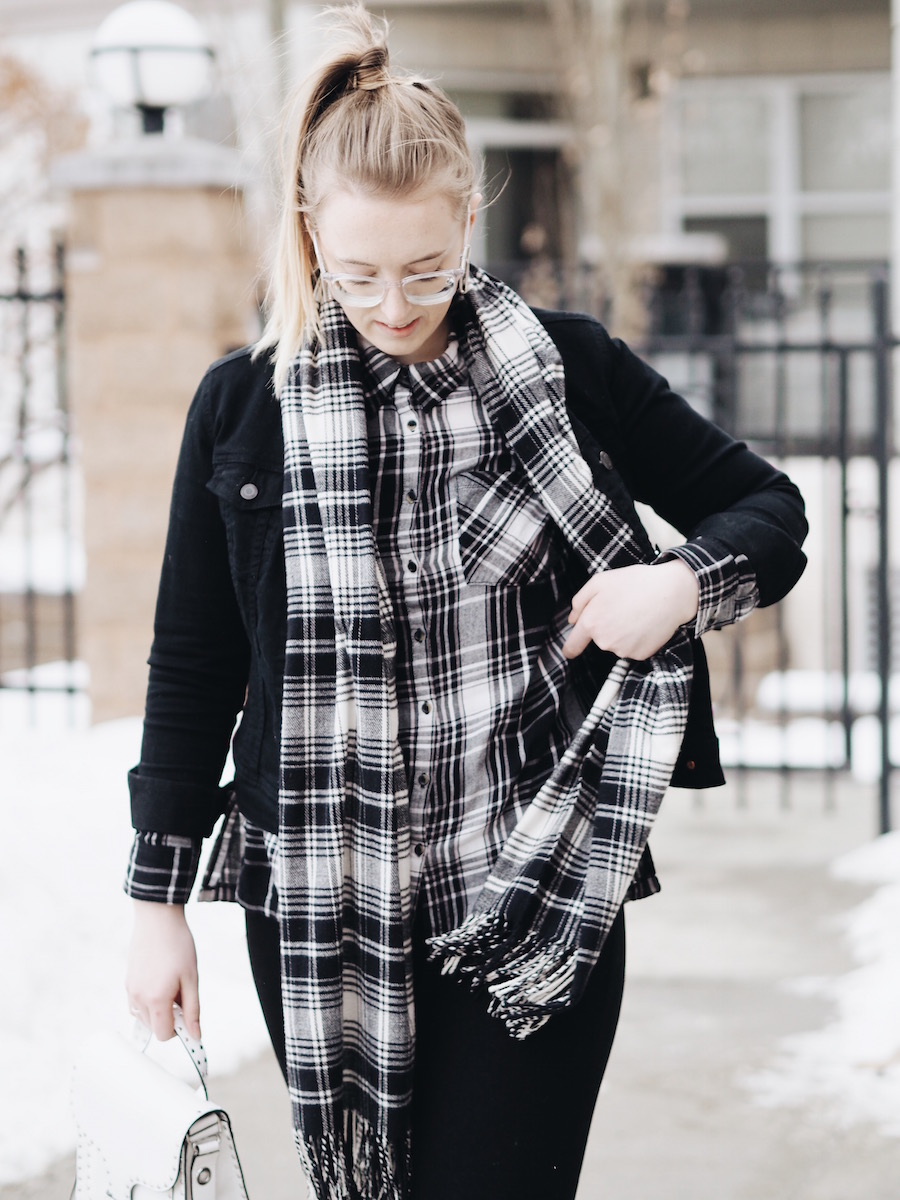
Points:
point(390, 229)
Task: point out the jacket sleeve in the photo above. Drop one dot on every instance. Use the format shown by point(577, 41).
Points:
point(199, 659)
point(726, 500)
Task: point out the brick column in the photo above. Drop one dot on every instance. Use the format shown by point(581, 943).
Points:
point(160, 283)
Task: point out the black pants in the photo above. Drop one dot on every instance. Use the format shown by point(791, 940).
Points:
point(492, 1118)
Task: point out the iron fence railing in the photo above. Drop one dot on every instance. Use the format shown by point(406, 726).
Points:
point(40, 543)
point(798, 362)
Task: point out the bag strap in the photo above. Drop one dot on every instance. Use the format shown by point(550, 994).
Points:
point(192, 1045)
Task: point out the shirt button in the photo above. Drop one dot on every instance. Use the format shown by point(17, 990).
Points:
point(690, 764)
point(426, 706)
point(419, 849)
point(419, 635)
point(411, 496)
point(422, 780)
point(410, 566)
point(411, 424)
point(249, 491)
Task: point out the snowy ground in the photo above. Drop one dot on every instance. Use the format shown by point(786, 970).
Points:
point(851, 1067)
point(64, 926)
point(64, 922)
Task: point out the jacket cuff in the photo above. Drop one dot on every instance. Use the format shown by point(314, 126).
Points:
point(727, 582)
point(162, 867)
point(174, 806)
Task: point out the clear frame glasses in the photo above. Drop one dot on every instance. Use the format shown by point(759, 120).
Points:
point(362, 291)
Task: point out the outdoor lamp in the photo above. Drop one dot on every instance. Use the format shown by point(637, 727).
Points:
point(151, 55)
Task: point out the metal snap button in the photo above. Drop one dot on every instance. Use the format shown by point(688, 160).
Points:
point(605, 460)
point(249, 491)
point(204, 1176)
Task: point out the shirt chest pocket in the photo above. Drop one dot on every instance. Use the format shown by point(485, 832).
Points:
point(250, 503)
point(506, 537)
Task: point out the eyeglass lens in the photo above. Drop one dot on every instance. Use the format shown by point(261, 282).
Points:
point(415, 287)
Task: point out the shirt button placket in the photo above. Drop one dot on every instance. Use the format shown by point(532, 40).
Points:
point(407, 513)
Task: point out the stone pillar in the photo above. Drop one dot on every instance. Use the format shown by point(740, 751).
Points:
point(160, 283)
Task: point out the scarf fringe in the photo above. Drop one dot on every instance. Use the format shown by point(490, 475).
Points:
point(359, 1166)
point(527, 978)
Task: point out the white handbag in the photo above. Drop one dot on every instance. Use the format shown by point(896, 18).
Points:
point(143, 1133)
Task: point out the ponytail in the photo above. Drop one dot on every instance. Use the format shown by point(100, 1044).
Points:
point(356, 124)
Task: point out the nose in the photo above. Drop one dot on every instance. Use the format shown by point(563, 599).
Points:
point(395, 308)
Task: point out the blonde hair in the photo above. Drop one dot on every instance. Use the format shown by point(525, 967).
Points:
point(355, 124)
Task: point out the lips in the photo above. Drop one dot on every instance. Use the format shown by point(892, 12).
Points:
point(399, 329)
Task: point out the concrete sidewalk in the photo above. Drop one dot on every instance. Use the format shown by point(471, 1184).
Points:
point(748, 908)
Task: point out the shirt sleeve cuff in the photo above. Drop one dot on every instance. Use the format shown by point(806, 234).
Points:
point(727, 582)
point(162, 867)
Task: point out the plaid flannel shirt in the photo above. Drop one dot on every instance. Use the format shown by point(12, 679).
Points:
point(486, 706)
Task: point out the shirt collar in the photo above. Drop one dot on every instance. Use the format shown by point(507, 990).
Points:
point(428, 382)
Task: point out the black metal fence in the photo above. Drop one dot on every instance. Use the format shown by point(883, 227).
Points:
point(798, 362)
point(41, 559)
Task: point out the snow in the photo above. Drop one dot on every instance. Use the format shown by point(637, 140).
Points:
point(807, 743)
point(850, 1069)
point(64, 921)
point(820, 692)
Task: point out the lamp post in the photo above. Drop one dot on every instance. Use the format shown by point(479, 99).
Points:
point(152, 55)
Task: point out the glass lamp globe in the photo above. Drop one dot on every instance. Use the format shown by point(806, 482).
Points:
point(152, 55)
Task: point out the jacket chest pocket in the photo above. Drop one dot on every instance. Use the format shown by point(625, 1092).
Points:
point(506, 537)
point(250, 502)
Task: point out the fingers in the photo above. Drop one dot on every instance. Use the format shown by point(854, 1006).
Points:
point(584, 595)
point(158, 1015)
point(162, 1022)
point(190, 1006)
point(578, 640)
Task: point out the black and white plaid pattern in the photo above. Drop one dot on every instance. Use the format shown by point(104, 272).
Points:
point(541, 919)
point(342, 870)
point(162, 867)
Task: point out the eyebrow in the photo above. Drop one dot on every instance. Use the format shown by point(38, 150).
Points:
point(423, 258)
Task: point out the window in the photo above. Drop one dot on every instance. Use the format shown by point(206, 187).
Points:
point(805, 158)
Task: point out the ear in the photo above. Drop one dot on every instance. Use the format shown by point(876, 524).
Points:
point(473, 207)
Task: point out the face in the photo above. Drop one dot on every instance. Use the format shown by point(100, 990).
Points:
point(388, 238)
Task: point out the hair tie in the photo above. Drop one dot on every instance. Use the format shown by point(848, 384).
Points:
point(366, 82)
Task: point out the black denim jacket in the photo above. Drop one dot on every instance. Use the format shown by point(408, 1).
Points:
point(218, 648)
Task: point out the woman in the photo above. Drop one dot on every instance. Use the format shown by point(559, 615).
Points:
point(403, 546)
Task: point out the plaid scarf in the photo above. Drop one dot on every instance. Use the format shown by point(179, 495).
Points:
point(342, 867)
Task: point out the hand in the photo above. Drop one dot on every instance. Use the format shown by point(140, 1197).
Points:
point(162, 969)
point(632, 611)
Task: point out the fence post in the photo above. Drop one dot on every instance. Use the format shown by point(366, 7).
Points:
point(883, 452)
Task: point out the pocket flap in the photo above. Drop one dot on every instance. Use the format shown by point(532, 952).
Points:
point(247, 485)
point(506, 536)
